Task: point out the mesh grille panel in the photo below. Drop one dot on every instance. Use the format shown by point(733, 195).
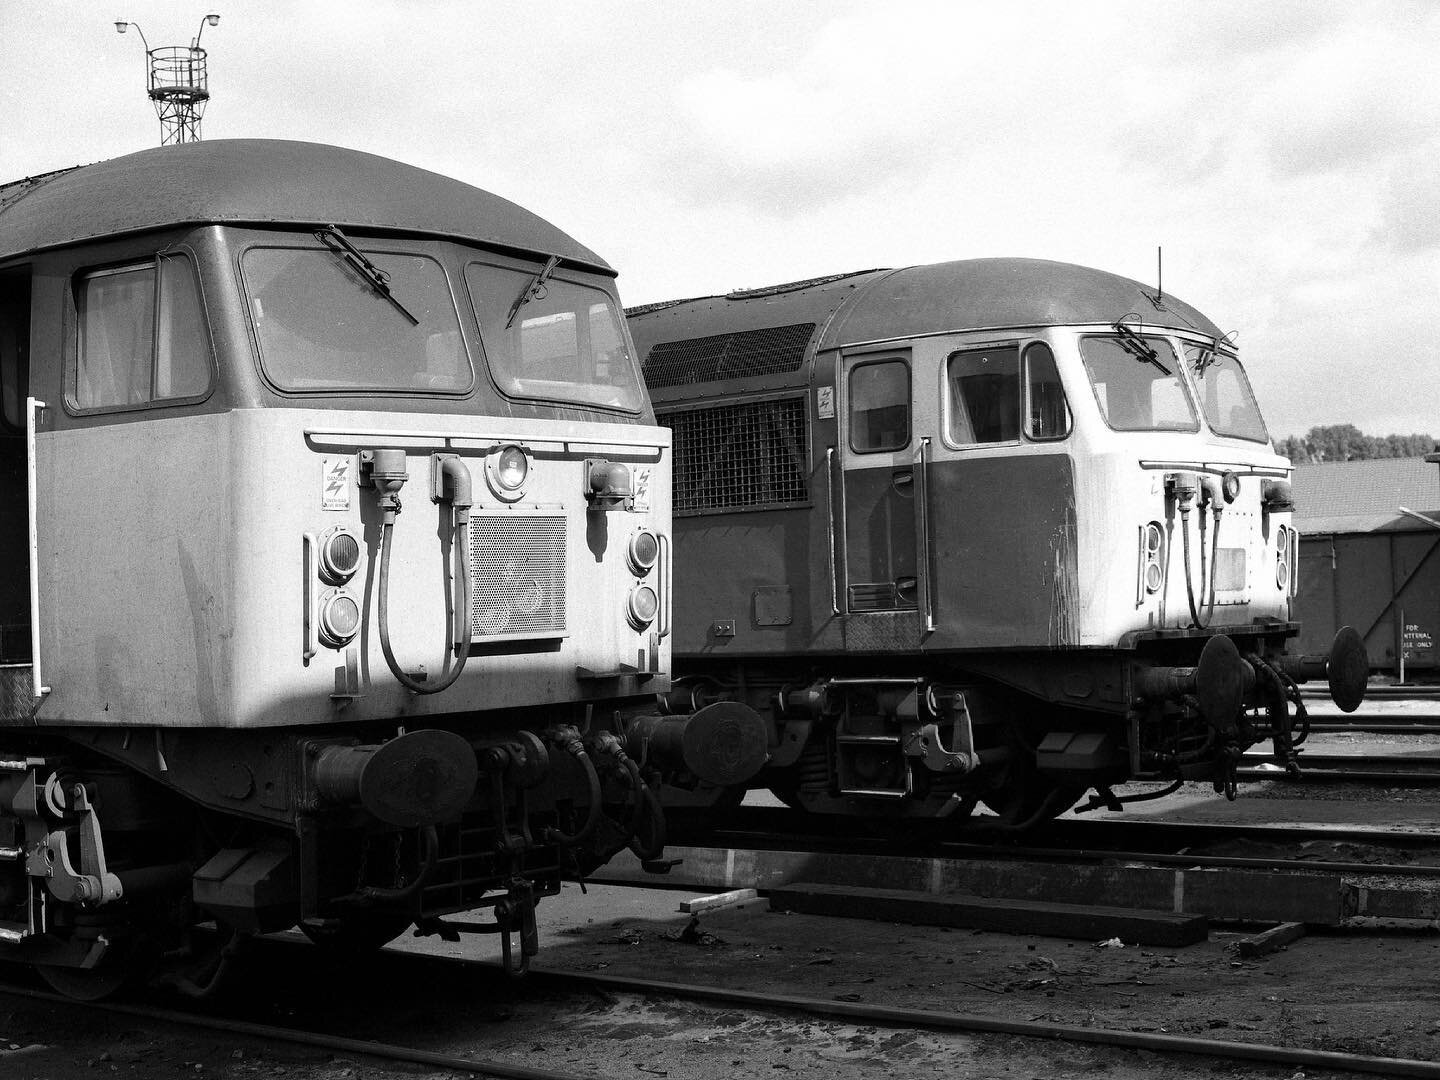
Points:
point(728, 356)
point(746, 456)
point(517, 576)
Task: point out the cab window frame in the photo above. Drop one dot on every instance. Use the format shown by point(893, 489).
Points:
point(1027, 389)
point(951, 402)
point(1178, 375)
point(503, 368)
point(908, 401)
point(1204, 390)
point(203, 335)
point(372, 247)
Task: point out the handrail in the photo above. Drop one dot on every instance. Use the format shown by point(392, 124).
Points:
point(32, 410)
point(830, 528)
point(921, 471)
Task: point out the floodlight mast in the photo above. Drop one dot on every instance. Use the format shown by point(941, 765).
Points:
point(177, 82)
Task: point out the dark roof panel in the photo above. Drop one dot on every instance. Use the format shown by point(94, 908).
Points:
point(260, 182)
point(979, 293)
point(1364, 496)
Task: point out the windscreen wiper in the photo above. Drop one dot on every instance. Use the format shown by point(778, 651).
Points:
point(1138, 347)
point(1204, 357)
point(534, 288)
point(379, 280)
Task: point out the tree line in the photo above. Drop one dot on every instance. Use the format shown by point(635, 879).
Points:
point(1346, 442)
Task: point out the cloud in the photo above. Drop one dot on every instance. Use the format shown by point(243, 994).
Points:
point(1410, 203)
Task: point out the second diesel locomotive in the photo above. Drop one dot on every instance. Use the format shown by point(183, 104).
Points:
point(335, 534)
point(996, 531)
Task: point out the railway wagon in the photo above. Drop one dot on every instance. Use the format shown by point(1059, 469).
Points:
point(991, 532)
point(335, 535)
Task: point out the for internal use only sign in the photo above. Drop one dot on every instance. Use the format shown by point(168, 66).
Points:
point(1417, 642)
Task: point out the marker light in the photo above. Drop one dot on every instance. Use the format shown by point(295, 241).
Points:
point(1152, 557)
point(339, 555)
point(642, 606)
point(511, 468)
point(1230, 485)
point(339, 618)
point(1282, 558)
point(642, 552)
point(507, 472)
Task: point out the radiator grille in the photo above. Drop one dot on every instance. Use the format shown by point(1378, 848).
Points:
point(745, 353)
point(517, 576)
point(746, 456)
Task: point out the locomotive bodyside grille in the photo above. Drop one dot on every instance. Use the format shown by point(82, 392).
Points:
point(769, 351)
point(748, 456)
point(517, 576)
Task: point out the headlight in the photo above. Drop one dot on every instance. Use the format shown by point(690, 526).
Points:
point(339, 555)
point(642, 552)
point(339, 618)
point(1282, 558)
point(642, 606)
point(507, 472)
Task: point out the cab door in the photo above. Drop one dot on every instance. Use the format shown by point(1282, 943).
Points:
point(878, 481)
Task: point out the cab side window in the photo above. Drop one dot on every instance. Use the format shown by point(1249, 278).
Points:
point(142, 336)
point(880, 407)
point(984, 395)
point(1047, 413)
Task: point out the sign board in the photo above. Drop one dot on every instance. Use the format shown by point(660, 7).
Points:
point(1417, 642)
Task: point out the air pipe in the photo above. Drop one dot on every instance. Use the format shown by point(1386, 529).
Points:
point(388, 474)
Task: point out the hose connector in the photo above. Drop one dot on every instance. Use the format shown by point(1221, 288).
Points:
point(1181, 486)
point(386, 472)
point(450, 483)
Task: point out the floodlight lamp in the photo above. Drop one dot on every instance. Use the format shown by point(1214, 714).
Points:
point(213, 20)
point(121, 27)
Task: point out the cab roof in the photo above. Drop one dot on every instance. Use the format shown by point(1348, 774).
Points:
point(264, 182)
point(882, 305)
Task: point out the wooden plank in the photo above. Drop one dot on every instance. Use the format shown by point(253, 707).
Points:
point(1277, 937)
point(1088, 922)
point(718, 900)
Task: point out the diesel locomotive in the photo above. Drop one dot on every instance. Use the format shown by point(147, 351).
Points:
point(335, 536)
point(991, 532)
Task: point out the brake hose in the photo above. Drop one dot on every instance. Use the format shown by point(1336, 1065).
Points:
point(568, 739)
point(457, 494)
point(1214, 552)
point(1185, 554)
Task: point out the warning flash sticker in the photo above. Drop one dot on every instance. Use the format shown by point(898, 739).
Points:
point(335, 483)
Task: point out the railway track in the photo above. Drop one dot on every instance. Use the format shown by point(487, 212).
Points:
point(419, 970)
point(1384, 723)
point(1405, 770)
point(776, 828)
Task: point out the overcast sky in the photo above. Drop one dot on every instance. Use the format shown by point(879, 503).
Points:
point(1286, 155)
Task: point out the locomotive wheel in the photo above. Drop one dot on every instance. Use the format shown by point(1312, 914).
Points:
point(87, 984)
point(358, 931)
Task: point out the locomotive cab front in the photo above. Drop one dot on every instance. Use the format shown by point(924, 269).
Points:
point(348, 539)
